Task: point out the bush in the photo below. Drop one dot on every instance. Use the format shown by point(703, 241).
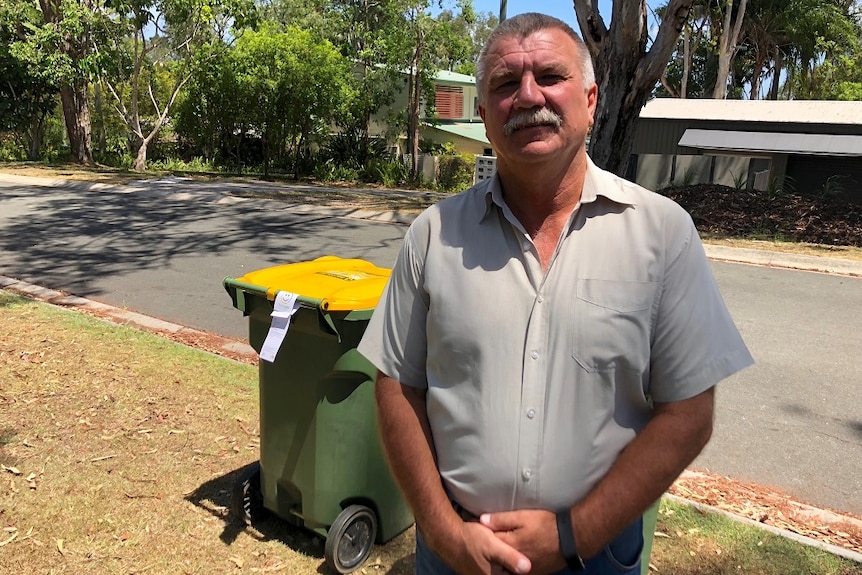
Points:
point(389, 173)
point(455, 172)
point(10, 149)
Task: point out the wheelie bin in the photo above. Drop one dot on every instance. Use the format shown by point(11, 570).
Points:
point(321, 464)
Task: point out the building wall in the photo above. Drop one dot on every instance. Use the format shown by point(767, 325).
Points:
point(659, 158)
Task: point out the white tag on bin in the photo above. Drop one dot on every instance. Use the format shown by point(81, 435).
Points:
point(284, 306)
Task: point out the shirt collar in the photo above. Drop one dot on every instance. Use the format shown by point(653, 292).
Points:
point(597, 183)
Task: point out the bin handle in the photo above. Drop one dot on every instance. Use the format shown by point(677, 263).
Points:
point(237, 289)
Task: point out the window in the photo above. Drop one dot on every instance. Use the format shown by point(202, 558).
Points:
point(449, 101)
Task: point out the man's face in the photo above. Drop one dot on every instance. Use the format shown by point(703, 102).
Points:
point(535, 104)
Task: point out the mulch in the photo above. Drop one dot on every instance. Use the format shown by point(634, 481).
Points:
point(723, 211)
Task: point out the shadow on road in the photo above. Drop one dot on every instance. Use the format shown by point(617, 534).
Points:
point(76, 236)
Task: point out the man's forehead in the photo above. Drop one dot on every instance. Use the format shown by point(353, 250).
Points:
point(548, 48)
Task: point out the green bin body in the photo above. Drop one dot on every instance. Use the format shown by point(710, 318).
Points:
point(319, 446)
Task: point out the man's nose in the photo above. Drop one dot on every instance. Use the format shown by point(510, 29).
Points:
point(529, 94)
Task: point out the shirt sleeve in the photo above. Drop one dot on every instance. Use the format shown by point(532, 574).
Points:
point(395, 340)
point(695, 343)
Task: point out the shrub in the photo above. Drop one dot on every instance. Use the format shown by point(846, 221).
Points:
point(455, 172)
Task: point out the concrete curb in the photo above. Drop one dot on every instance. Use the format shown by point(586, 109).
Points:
point(784, 260)
point(120, 316)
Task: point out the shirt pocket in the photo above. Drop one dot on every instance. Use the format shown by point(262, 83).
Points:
point(611, 324)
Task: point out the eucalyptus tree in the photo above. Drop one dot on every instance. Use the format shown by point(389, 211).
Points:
point(685, 74)
point(430, 44)
point(732, 15)
point(627, 67)
point(369, 34)
point(143, 38)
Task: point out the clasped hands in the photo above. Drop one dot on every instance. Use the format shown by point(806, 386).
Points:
point(511, 542)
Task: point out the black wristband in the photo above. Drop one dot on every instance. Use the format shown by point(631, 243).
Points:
point(568, 547)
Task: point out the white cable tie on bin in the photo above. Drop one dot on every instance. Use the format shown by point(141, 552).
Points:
point(284, 306)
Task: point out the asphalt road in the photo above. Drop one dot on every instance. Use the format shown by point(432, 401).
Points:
point(793, 421)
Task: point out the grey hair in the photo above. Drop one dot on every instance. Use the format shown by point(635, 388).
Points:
point(523, 25)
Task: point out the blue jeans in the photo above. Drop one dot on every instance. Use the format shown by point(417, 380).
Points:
point(621, 557)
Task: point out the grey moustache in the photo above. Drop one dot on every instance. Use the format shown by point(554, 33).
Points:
point(542, 116)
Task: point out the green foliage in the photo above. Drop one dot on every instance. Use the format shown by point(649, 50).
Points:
point(11, 149)
point(292, 87)
point(197, 165)
point(388, 172)
point(329, 171)
point(354, 148)
point(739, 180)
point(832, 187)
point(455, 172)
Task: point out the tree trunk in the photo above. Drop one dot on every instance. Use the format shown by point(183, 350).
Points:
point(776, 75)
point(100, 139)
point(76, 113)
point(141, 158)
point(727, 47)
point(686, 62)
point(625, 72)
point(35, 136)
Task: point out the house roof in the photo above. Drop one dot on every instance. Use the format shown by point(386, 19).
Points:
point(454, 78)
point(782, 143)
point(781, 111)
point(469, 130)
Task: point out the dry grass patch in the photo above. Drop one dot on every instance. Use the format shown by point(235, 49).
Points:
point(119, 450)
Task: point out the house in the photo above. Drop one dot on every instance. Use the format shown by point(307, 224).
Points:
point(807, 146)
point(457, 115)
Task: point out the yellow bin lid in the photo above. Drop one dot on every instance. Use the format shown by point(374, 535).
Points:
point(340, 284)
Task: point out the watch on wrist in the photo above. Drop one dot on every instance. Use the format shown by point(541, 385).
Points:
point(568, 547)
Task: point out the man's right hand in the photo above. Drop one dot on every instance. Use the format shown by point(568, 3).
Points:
point(476, 550)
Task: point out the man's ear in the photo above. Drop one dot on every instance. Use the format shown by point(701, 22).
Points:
point(481, 111)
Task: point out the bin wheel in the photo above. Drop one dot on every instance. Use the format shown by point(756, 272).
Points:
point(351, 538)
point(246, 501)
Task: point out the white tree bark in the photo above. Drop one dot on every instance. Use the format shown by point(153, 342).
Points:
point(727, 46)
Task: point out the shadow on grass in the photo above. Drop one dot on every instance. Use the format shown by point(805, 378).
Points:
point(214, 497)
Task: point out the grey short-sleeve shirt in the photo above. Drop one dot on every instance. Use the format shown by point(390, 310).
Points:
point(537, 380)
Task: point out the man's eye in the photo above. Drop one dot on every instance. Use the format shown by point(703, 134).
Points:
point(506, 85)
point(549, 79)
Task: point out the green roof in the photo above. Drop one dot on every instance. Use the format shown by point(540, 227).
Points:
point(454, 78)
point(469, 130)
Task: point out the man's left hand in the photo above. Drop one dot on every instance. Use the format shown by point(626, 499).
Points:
point(533, 532)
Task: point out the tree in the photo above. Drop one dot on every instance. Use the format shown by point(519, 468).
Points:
point(626, 71)
point(58, 43)
point(292, 86)
point(727, 43)
point(27, 94)
point(144, 36)
point(688, 65)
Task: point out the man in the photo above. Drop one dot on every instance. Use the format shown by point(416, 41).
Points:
point(549, 340)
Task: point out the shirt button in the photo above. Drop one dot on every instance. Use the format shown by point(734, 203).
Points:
point(534, 354)
point(527, 473)
point(525, 246)
point(531, 413)
point(540, 299)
